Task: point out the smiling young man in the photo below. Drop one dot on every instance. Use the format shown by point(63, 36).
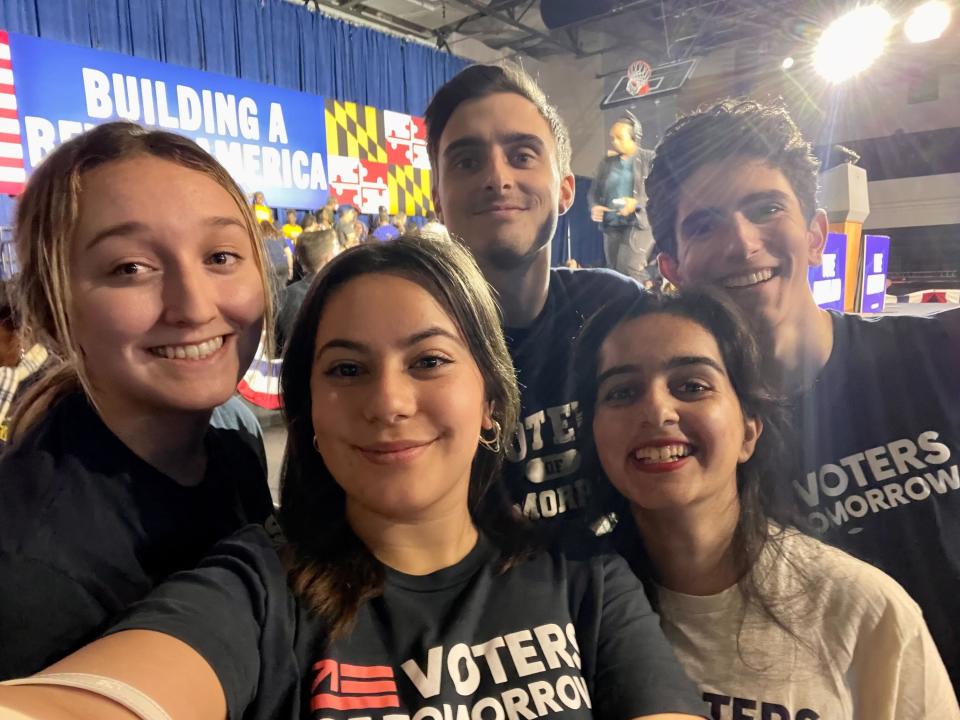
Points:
point(501, 159)
point(732, 205)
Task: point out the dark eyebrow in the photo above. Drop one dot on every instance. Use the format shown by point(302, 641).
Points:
point(133, 227)
point(517, 138)
point(434, 331)
point(686, 360)
point(700, 214)
point(671, 364)
point(767, 195)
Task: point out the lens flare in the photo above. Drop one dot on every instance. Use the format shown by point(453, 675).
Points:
point(927, 22)
point(852, 43)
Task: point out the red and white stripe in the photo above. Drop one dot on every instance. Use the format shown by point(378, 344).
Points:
point(13, 176)
point(261, 383)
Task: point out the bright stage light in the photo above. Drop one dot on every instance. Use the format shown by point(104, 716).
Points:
point(852, 43)
point(927, 22)
point(787, 63)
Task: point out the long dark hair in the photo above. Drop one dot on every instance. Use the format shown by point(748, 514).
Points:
point(759, 480)
point(329, 567)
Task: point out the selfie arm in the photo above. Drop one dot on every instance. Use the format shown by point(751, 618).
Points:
point(168, 672)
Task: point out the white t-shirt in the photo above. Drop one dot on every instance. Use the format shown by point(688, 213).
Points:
point(863, 653)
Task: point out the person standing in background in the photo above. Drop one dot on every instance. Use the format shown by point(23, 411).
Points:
point(279, 254)
point(618, 202)
point(384, 229)
point(400, 222)
point(326, 219)
point(314, 250)
point(19, 367)
point(260, 210)
point(434, 227)
point(347, 227)
point(291, 229)
point(329, 209)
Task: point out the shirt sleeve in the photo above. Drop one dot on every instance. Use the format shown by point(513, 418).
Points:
point(634, 669)
point(236, 612)
point(44, 616)
point(896, 671)
point(234, 415)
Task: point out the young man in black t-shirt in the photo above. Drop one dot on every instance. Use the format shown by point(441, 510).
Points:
point(502, 177)
point(732, 204)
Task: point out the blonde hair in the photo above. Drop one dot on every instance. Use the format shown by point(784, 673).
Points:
point(46, 221)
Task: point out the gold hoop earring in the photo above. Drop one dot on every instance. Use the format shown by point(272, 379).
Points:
point(492, 444)
point(316, 445)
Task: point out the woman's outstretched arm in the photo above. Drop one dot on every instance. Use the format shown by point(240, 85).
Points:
point(162, 669)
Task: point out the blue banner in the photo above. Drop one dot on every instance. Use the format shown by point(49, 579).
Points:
point(270, 139)
point(826, 279)
point(876, 259)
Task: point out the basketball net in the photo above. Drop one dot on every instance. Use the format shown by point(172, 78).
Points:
point(639, 73)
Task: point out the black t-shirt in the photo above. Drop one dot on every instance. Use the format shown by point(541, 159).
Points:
point(545, 472)
point(550, 636)
point(881, 447)
point(87, 528)
point(290, 302)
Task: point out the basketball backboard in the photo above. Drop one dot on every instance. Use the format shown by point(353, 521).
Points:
point(665, 79)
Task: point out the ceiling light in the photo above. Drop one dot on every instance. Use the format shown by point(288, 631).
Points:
point(787, 63)
point(927, 22)
point(852, 43)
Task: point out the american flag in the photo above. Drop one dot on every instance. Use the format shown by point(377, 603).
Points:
point(12, 173)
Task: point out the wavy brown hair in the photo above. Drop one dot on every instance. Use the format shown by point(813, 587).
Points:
point(329, 567)
point(46, 221)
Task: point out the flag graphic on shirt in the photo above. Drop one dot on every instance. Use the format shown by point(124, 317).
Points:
point(353, 687)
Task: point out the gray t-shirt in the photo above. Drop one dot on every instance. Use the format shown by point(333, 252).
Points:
point(865, 651)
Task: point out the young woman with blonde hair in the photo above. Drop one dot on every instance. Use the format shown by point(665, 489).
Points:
point(116, 478)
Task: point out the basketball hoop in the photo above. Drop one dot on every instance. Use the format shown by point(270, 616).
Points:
point(639, 73)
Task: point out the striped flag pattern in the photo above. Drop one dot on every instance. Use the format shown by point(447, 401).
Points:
point(261, 383)
point(12, 173)
point(353, 687)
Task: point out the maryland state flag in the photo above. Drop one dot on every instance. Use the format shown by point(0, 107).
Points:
point(354, 131)
point(409, 190)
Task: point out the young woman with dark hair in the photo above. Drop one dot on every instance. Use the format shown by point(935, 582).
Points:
point(415, 591)
point(761, 616)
